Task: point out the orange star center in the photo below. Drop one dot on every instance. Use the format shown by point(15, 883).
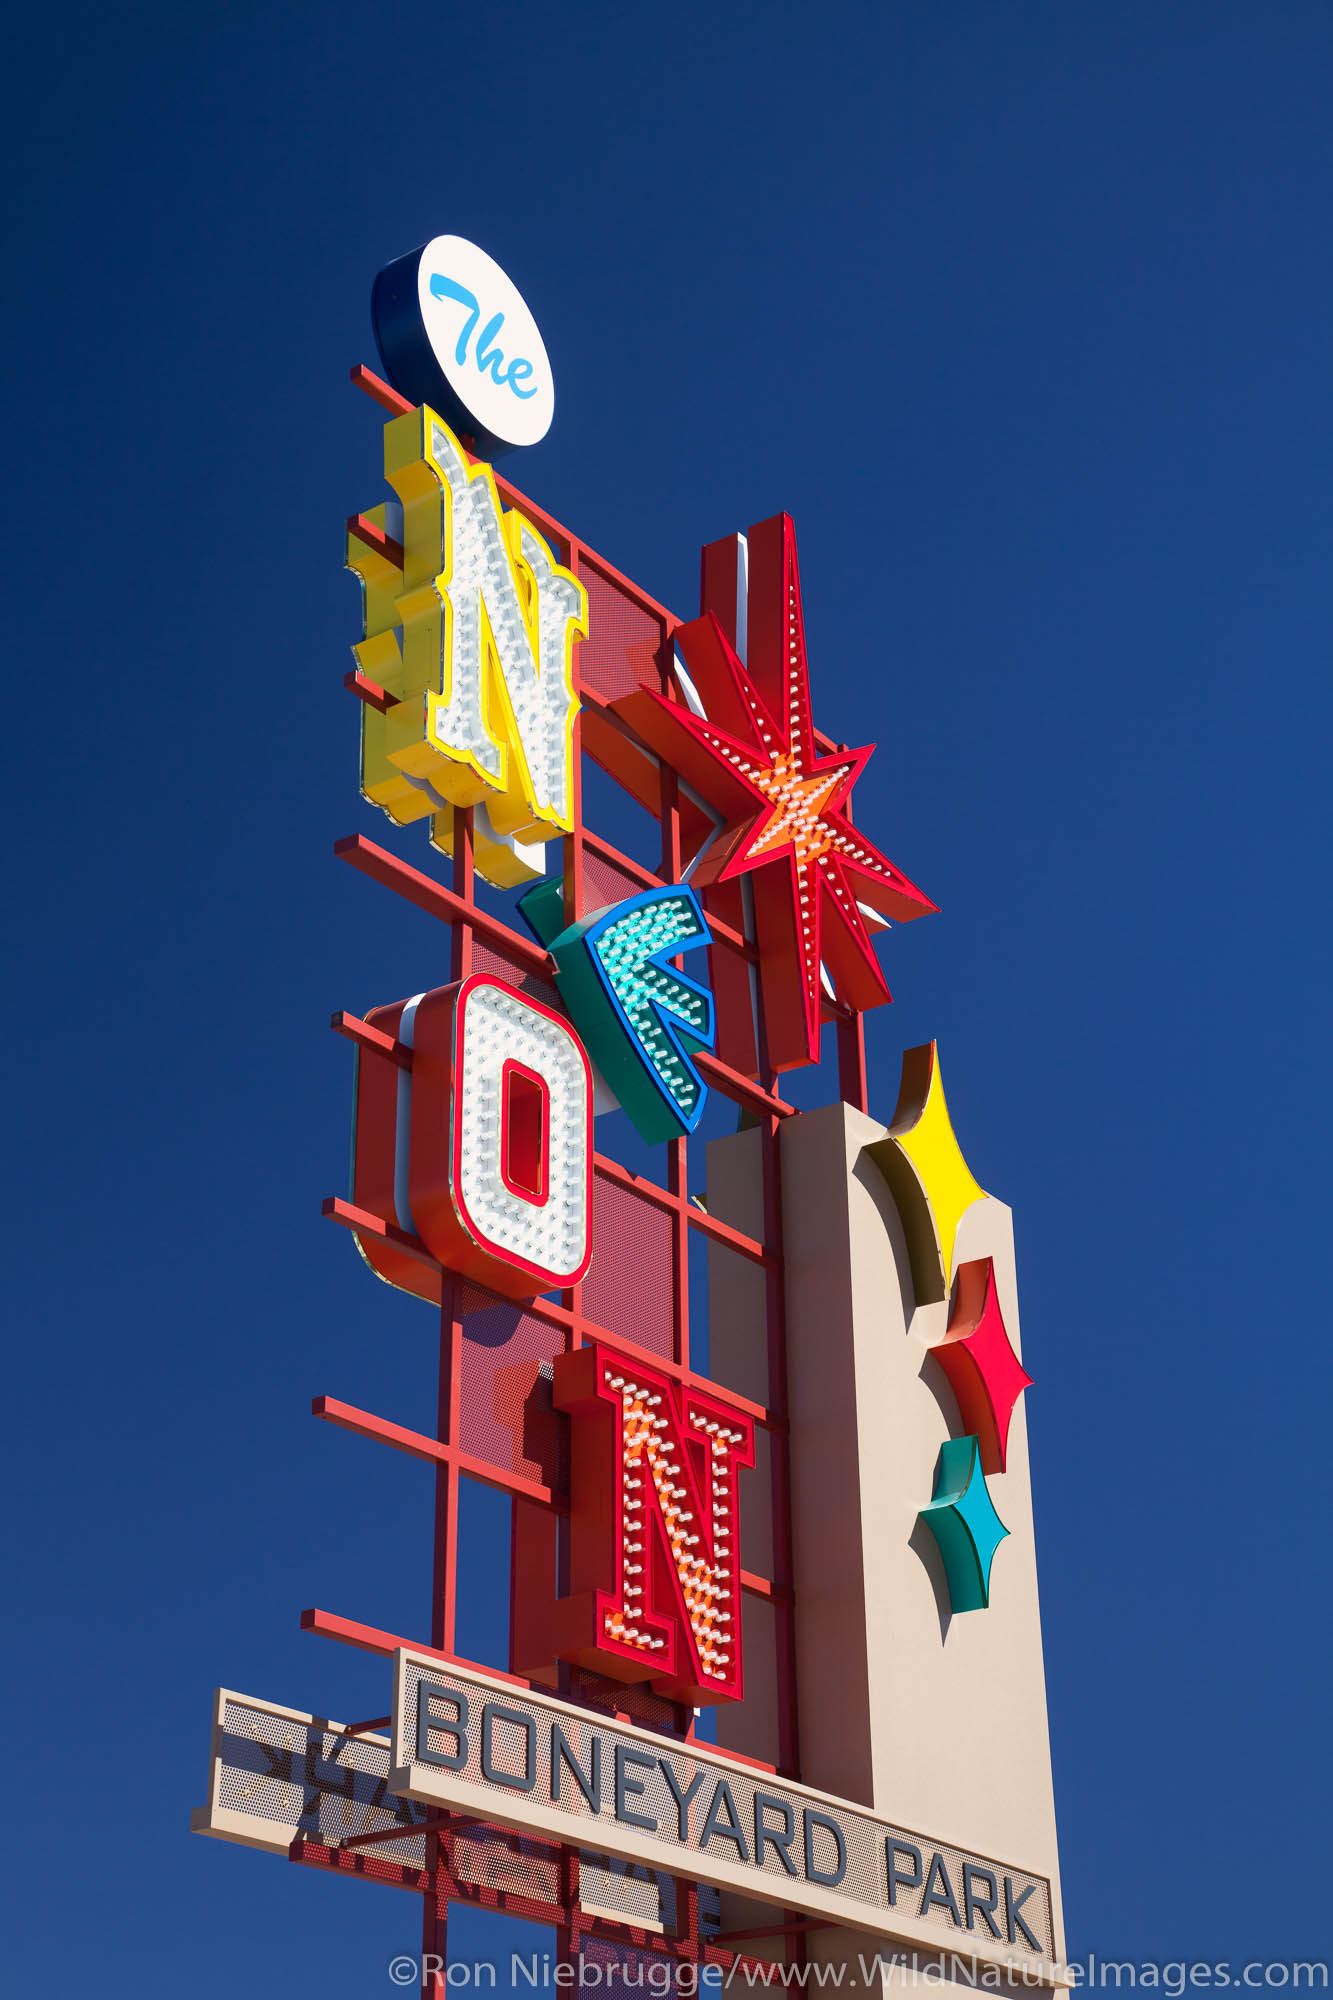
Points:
point(797, 806)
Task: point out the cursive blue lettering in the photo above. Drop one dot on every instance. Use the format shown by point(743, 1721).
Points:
point(488, 357)
point(445, 288)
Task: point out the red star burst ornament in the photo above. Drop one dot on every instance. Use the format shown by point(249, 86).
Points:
point(818, 885)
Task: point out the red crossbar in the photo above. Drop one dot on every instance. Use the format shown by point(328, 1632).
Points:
point(388, 399)
point(354, 1029)
point(363, 1423)
point(375, 538)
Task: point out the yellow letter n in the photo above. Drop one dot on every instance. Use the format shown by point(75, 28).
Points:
point(483, 679)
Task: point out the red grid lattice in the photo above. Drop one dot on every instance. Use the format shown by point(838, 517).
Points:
point(494, 1414)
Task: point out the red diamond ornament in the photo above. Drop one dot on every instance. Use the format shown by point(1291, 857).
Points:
point(977, 1355)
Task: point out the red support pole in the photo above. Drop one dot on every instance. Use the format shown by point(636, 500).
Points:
point(573, 842)
point(567, 1935)
point(677, 1152)
point(443, 1606)
point(434, 1922)
point(851, 1039)
point(789, 1753)
point(444, 1587)
point(678, 1158)
point(852, 1087)
point(567, 1943)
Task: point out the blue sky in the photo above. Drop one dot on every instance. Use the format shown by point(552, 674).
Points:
point(1023, 314)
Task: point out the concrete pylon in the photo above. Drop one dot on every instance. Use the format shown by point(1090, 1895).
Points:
point(933, 1717)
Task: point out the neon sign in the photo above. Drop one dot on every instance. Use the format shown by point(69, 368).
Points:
point(473, 641)
point(614, 1334)
point(746, 744)
point(498, 397)
point(500, 1153)
point(481, 1150)
point(487, 358)
point(654, 1562)
point(643, 1020)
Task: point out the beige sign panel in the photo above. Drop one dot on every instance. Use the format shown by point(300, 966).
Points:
point(473, 1744)
point(277, 1774)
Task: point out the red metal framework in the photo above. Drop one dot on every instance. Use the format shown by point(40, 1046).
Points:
point(490, 1426)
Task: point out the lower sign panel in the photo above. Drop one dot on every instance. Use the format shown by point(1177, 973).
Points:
point(471, 1744)
point(277, 1774)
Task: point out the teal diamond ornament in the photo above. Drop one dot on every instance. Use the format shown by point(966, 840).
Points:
point(963, 1520)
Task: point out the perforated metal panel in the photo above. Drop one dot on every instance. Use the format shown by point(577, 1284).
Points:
point(513, 1863)
point(604, 883)
point(514, 973)
point(507, 1739)
point(632, 1698)
point(276, 1774)
point(626, 1891)
point(507, 1416)
point(621, 650)
point(288, 1774)
point(609, 1967)
point(630, 1288)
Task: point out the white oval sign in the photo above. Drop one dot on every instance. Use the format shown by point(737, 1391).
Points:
point(457, 323)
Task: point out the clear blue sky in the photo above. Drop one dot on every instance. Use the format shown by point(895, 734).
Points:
point(1023, 312)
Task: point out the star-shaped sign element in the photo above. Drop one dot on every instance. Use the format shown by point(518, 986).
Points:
point(978, 1357)
point(963, 1520)
point(931, 1181)
point(819, 886)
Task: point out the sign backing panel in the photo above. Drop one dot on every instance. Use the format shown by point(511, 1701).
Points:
point(471, 1744)
point(278, 1774)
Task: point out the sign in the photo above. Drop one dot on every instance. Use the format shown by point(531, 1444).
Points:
point(743, 739)
point(654, 1555)
point(453, 331)
point(477, 1140)
point(476, 1745)
point(500, 1152)
point(470, 635)
point(805, 1319)
point(642, 1020)
point(276, 1775)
